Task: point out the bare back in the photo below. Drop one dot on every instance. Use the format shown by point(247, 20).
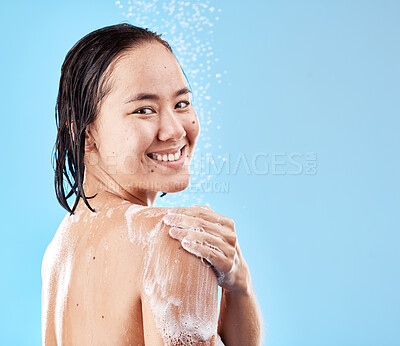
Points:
point(115, 277)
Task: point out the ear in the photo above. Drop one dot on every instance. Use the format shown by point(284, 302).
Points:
point(90, 143)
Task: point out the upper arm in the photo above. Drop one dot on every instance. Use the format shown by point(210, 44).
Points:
point(179, 293)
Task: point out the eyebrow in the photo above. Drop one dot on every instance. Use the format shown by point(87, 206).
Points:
point(146, 96)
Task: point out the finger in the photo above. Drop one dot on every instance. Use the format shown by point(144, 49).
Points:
point(202, 238)
point(185, 221)
point(215, 257)
point(196, 223)
point(205, 213)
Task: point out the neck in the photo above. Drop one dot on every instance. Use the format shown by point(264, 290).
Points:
point(97, 181)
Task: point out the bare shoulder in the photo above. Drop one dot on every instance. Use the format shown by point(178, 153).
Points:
point(179, 293)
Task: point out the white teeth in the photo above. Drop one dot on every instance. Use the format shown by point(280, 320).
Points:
point(166, 157)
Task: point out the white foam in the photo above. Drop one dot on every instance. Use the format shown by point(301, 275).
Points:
point(179, 322)
point(109, 212)
point(177, 317)
point(64, 276)
point(93, 214)
point(62, 265)
point(75, 217)
point(135, 235)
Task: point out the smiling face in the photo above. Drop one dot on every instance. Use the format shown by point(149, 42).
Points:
point(146, 129)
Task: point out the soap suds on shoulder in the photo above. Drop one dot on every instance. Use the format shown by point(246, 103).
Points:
point(135, 234)
point(177, 316)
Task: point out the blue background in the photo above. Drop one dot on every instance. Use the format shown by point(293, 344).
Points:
point(298, 77)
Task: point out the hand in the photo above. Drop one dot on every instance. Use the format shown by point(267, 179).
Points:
point(212, 237)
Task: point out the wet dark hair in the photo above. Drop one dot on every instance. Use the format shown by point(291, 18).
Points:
point(83, 84)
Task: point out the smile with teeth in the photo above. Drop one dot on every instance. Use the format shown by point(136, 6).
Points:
point(166, 157)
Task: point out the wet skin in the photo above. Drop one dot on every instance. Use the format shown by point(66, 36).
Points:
point(93, 284)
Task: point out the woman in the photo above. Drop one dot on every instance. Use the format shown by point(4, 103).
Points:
point(120, 271)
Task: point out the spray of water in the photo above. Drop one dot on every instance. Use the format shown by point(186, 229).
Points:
point(188, 27)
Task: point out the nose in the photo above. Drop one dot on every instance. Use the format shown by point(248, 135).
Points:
point(170, 127)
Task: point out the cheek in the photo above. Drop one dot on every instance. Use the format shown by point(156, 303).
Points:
point(192, 128)
point(126, 143)
point(130, 153)
point(136, 141)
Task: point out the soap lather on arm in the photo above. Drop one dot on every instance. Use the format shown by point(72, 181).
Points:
point(179, 293)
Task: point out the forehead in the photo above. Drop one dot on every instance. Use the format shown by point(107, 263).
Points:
point(149, 67)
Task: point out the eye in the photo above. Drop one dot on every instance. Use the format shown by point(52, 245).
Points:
point(182, 104)
point(143, 111)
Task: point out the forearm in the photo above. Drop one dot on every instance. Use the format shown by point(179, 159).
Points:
point(240, 319)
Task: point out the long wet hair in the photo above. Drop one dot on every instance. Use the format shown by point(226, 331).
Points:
point(83, 84)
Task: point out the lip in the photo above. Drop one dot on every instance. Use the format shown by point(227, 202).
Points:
point(171, 164)
point(167, 151)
